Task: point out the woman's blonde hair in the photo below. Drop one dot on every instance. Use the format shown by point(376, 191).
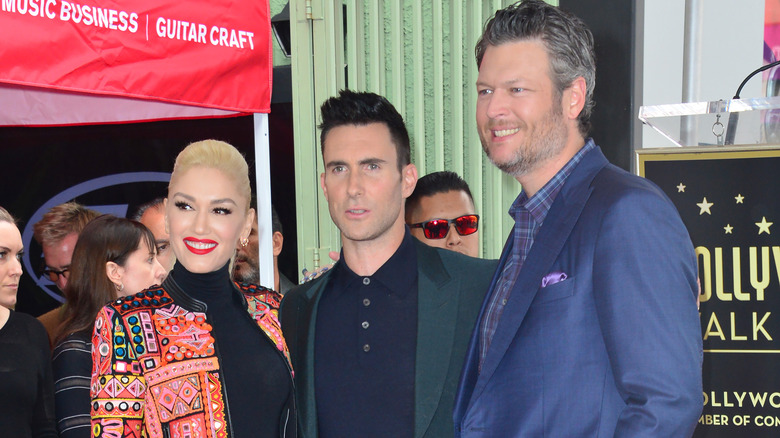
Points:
point(5, 216)
point(215, 154)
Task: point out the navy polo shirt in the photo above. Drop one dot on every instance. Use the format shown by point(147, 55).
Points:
point(365, 347)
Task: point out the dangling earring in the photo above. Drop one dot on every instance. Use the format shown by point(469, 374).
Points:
point(244, 241)
point(120, 288)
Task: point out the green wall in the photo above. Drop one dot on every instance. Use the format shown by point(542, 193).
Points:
point(420, 55)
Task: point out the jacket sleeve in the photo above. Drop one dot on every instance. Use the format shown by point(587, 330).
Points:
point(117, 386)
point(644, 283)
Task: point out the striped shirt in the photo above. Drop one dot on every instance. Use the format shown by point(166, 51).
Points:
point(72, 367)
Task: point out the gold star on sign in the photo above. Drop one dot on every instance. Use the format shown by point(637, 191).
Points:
point(728, 228)
point(705, 206)
point(763, 226)
point(739, 198)
point(681, 188)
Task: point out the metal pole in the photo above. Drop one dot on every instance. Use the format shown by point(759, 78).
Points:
point(692, 40)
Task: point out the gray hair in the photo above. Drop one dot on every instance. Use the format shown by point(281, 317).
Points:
point(568, 41)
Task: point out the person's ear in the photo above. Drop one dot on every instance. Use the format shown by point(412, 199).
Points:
point(574, 98)
point(278, 241)
point(322, 184)
point(408, 180)
point(250, 219)
point(114, 272)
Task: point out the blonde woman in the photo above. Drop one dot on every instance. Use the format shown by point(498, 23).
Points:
point(26, 389)
point(198, 356)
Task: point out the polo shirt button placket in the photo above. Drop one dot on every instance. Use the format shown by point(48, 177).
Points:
point(365, 324)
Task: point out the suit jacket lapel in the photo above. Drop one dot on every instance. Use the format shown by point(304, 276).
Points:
point(547, 247)
point(437, 313)
point(304, 373)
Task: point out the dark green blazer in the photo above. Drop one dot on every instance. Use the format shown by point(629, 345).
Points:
point(451, 287)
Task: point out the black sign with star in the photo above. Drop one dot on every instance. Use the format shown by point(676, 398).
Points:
point(730, 202)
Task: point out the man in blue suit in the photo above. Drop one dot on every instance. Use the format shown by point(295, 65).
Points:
point(590, 326)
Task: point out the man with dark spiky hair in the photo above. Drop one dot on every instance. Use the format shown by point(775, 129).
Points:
point(377, 342)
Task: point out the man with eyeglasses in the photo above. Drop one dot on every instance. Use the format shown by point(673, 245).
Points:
point(440, 213)
point(57, 233)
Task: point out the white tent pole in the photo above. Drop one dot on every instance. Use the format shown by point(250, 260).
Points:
point(263, 184)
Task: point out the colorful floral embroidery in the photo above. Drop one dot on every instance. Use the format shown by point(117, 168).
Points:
point(156, 372)
point(264, 307)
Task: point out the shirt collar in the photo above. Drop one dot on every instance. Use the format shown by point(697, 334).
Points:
point(539, 204)
point(398, 274)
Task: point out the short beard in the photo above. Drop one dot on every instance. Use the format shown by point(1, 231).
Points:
point(543, 143)
point(247, 274)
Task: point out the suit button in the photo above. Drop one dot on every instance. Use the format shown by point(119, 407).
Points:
point(366, 348)
point(366, 302)
point(364, 324)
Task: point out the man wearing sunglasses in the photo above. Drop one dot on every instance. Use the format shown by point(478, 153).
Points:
point(590, 328)
point(377, 342)
point(57, 233)
point(440, 212)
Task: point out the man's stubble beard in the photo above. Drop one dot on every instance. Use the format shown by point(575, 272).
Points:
point(544, 142)
point(248, 273)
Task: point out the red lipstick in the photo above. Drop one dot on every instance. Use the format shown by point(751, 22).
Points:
point(199, 246)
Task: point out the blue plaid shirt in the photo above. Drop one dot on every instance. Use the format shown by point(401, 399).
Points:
point(528, 215)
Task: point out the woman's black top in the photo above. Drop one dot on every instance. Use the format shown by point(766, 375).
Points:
point(26, 387)
point(257, 381)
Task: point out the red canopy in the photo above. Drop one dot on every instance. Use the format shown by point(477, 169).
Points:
point(68, 62)
point(196, 52)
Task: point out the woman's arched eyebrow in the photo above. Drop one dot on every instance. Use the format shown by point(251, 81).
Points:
point(215, 201)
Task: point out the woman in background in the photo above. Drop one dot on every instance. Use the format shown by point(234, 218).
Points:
point(114, 257)
point(26, 401)
point(198, 356)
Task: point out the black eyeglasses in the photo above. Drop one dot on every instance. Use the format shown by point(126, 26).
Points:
point(439, 228)
point(54, 274)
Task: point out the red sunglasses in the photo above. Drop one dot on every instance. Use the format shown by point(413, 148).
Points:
point(439, 228)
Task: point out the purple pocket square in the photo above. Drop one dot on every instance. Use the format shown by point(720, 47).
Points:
point(553, 277)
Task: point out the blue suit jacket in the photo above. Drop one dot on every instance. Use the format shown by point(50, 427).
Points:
point(615, 349)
